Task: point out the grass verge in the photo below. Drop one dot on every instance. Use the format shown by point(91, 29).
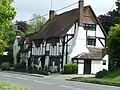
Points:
point(11, 86)
point(98, 81)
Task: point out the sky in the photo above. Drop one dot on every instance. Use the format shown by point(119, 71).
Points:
point(26, 8)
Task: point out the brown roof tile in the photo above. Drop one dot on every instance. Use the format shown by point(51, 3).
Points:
point(59, 25)
point(94, 54)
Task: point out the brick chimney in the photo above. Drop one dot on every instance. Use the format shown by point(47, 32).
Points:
point(81, 7)
point(52, 13)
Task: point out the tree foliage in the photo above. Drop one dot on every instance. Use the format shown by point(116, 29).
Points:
point(36, 23)
point(106, 22)
point(111, 18)
point(113, 44)
point(7, 14)
point(22, 26)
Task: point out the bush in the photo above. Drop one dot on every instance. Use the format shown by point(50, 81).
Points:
point(101, 74)
point(5, 66)
point(20, 67)
point(113, 74)
point(70, 69)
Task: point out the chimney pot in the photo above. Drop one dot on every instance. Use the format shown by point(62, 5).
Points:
point(51, 14)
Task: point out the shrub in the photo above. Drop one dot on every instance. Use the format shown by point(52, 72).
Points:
point(113, 74)
point(20, 66)
point(101, 74)
point(70, 69)
point(74, 68)
point(5, 66)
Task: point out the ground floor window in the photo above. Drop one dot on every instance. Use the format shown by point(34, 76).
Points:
point(104, 62)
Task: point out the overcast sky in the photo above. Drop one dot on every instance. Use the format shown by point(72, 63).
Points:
point(26, 8)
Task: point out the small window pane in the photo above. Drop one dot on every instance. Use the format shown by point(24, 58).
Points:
point(91, 41)
point(89, 26)
point(104, 62)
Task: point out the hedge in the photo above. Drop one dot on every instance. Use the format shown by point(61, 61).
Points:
point(70, 69)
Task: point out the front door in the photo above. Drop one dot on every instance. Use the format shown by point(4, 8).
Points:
point(87, 66)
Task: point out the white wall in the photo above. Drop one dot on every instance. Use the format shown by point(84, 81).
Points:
point(36, 51)
point(81, 67)
point(78, 43)
point(96, 66)
point(107, 62)
point(91, 33)
point(16, 48)
point(99, 33)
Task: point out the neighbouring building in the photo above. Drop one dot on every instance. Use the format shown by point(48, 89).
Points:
point(75, 36)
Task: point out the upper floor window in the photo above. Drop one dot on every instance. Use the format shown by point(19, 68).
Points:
point(91, 41)
point(89, 26)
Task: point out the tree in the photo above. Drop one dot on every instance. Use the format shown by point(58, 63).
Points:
point(113, 45)
point(7, 14)
point(106, 22)
point(10, 34)
point(36, 24)
point(22, 26)
point(115, 14)
point(111, 18)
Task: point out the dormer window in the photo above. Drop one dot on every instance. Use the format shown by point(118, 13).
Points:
point(88, 26)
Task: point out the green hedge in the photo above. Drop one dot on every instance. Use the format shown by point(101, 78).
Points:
point(70, 69)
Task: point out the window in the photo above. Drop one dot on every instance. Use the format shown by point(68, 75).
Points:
point(104, 62)
point(89, 26)
point(91, 41)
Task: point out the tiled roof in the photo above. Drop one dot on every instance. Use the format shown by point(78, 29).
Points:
point(60, 24)
point(94, 54)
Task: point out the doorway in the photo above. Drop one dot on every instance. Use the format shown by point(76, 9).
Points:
point(87, 66)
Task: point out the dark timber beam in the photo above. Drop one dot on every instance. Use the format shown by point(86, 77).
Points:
point(67, 50)
point(101, 43)
point(100, 38)
point(63, 48)
point(72, 35)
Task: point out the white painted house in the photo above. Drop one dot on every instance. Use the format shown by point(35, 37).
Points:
point(74, 36)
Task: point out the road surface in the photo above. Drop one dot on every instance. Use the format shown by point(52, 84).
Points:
point(51, 83)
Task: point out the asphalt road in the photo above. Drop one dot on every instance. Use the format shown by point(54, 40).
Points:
point(51, 83)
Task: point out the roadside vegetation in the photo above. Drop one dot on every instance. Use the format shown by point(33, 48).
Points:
point(112, 25)
point(11, 86)
point(103, 77)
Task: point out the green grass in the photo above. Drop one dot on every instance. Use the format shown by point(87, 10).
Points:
point(98, 81)
point(113, 74)
point(11, 86)
point(112, 78)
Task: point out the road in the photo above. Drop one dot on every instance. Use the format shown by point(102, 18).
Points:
point(51, 83)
